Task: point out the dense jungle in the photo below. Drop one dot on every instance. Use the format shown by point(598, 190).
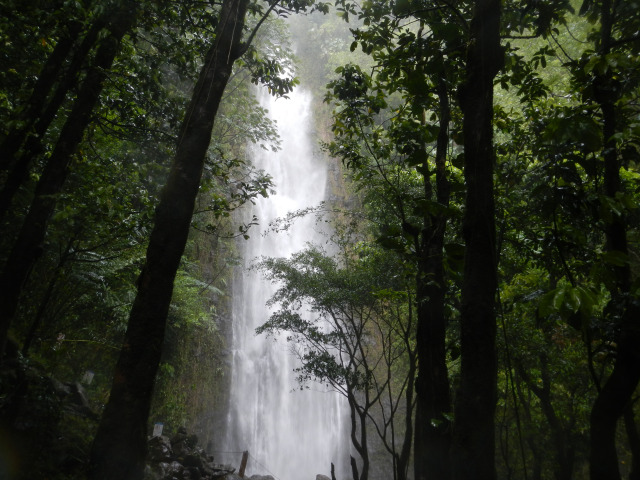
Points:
point(466, 295)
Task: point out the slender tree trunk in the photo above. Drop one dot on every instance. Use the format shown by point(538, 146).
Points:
point(39, 317)
point(46, 297)
point(28, 245)
point(616, 393)
point(358, 434)
point(39, 94)
point(364, 474)
point(39, 116)
point(474, 430)
point(403, 458)
point(564, 453)
point(432, 427)
point(119, 449)
point(354, 469)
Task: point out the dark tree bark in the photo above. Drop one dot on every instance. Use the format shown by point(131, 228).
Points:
point(358, 433)
point(563, 447)
point(403, 457)
point(28, 245)
point(42, 108)
point(119, 449)
point(432, 439)
point(616, 393)
point(614, 398)
point(474, 434)
point(354, 469)
point(41, 89)
point(634, 442)
point(44, 301)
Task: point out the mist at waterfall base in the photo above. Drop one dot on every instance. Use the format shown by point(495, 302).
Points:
point(290, 433)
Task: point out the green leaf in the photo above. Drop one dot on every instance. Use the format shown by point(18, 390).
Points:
point(551, 302)
point(615, 258)
point(572, 299)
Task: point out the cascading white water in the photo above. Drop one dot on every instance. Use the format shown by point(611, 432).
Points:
point(289, 433)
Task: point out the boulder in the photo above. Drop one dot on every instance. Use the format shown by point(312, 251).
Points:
point(180, 436)
point(175, 469)
point(191, 460)
point(194, 473)
point(160, 449)
point(156, 472)
point(226, 471)
point(180, 458)
point(322, 477)
point(192, 440)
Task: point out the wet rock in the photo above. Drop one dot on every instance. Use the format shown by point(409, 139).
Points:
point(156, 472)
point(180, 458)
point(192, 441)
point(180, 436)
point(191, 460)
point(195, 473)
point(322, 477)
point(225, 471)
point(176, 469)
point(233, 476)
point(180, 450)
point(160, 449)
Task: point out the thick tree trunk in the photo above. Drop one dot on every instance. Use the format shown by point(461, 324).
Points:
point(119, 449)
point(614, 399)
point(615, 396)
point(473, 454)
point(634, 442)
point(432, 428)
point(28, 245)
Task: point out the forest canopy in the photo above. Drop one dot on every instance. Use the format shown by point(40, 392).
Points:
point(478, 306)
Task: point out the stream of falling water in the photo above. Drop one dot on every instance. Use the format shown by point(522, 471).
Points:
point(289, 433)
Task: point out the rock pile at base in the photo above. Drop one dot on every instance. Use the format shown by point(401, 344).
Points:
point(180, 458)
point(252, 477)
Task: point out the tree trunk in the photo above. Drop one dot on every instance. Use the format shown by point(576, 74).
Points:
point(403, 458)
point(614, 399)
point(39, 94)
point(358, 419)
point(432, 427)
point(39, 115)
point(564, 453)
point(28, 245)
point(119, 449)
point(615, 396)
point(634, 442)
point(563, 448)
point(474, 434)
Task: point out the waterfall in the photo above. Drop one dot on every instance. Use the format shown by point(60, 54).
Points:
point(290, 433)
